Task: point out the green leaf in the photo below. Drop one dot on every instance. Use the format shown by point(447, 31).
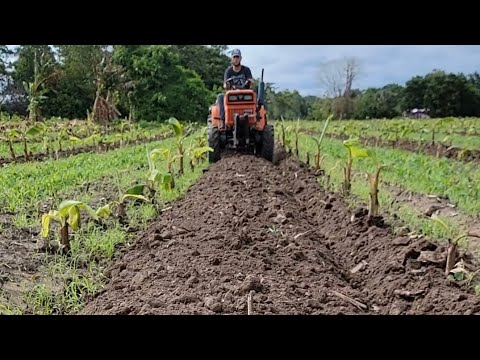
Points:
point(34, 130)
point(153, 176)
point(45, 224)
point(132, 196)
point(358, 152)
point(162, 153)
point(198, 152)
point(74, 217)
point(104, 211)
point(136, 190)
point(177, 126)
point(13, 134)
point(441, 223)
point(65, 206)
point(151, 164)
point(166, 181)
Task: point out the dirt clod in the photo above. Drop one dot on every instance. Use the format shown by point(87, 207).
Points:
point(337, 266)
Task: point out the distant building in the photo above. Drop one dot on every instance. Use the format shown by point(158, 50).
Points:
point(417, 114)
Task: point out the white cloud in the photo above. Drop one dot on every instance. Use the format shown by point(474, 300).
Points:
point(296, 66)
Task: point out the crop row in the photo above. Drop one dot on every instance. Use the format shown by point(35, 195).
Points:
point(89, 229)
point(356, 170)
point(461, 133)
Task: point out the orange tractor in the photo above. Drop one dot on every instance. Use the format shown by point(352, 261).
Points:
point(245, 128)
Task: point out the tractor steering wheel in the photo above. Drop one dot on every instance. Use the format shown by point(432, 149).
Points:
point(237, 83)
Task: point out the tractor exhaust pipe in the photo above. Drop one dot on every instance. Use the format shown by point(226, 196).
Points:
point(261, 93)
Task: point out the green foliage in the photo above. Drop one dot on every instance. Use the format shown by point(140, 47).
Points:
point(162, 87)
point(156, 82)
point(149, 83)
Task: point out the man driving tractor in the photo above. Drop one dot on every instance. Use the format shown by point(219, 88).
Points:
point(239, 75)
point(238, 119)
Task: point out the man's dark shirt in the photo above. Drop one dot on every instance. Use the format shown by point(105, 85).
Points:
point(238, 77)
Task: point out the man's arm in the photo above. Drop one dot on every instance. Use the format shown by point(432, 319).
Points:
point(248, 76)
point(225, 77)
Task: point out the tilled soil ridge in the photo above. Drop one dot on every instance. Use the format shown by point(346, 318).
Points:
point(251, 229)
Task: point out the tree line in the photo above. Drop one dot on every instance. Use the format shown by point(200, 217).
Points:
point(155, 82)
point(442, 94)
point(136, 81)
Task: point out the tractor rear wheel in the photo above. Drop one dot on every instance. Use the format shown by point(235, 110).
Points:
point(214, 143)
point(268, 142)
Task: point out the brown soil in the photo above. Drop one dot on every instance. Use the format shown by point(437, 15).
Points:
point(19, 260)
point(103, 147)
point(249, 227)
point(24, 254)
point(429, 205)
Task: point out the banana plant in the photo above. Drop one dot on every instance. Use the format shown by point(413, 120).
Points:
point(133, 193)
point(73, 140)
point(453, 240)
point(318, 157)
point(34, 90)
point(11, 135)
point(180, 135)
point(286, 132)
point(68, 214)
point(196, 154)
point(62, 135)
point(96, 139)
point(154, 176)
point(47, 140)
point(373, 182)
point(438, 124)
point(165, 154)
point(354, 151)
point(27, 134)
point(201, 141)
point(296, 131)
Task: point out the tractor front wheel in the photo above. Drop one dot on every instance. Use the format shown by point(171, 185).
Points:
point(214, 143)
point(268, 143)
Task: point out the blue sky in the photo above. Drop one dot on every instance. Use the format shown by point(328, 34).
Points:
point(295, 67)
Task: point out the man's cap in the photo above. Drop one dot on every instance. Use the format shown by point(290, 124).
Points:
point(236, 52)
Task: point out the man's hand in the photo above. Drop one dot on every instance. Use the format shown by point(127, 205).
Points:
point(227, 86)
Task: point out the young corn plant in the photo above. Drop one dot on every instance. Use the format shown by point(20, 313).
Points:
point(68, 214)
point(354, 151)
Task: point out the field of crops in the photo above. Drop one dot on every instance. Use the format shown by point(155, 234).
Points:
point(100, 196)
point(353, 217)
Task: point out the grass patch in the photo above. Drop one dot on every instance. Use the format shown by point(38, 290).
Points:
point(71, 280)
